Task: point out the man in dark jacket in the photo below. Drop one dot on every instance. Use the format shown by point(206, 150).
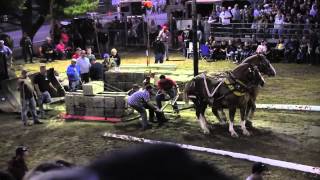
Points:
point(26, 45)
point(96, 70)
point(27, 99)
point(159, 51)
point(17, 166)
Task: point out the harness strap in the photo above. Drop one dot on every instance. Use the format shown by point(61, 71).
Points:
point(207, 89)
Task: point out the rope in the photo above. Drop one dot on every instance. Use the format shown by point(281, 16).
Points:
point(207, 89)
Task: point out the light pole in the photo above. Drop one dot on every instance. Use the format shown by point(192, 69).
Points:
point(195, 39)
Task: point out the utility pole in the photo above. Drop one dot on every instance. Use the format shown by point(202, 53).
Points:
point(195, 39)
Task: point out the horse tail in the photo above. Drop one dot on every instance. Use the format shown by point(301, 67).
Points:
point(189, 85)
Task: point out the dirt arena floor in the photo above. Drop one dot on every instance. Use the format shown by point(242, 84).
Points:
point(282, 135)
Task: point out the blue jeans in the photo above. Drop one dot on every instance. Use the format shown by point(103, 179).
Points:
point(158, 58)
point(162, 97)
point(26, 105)
point(43, 99)
point(74, 85)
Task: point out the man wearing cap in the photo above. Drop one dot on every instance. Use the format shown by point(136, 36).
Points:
point(73, 73)
point(84, 65)
point(77, 54)
point(27, 99)
point(6, 51)
point(140, 101)
point(164, 38)
point(17, 166)
point(42, 86)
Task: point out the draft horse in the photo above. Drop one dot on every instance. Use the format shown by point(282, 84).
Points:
point(234, 91)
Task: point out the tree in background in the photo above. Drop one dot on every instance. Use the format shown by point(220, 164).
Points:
point(30, 15)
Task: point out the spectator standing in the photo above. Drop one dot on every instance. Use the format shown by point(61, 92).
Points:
point(140, 101)
point(225, 16)
point(214, 18)
point(164, 38)
point(159, 51)
point(26, 45)
point(278, 24)
point(236, 16)
point(17, 166)
point(27, 99)
point(77, 54)
point(96, 70)
point(84, 65)
point(47, 50)
point(73, 73)
point(115, 59)
point(7, 52)
point(42, 86)
point(169, 87)
point(90, 56)
point(187, 38)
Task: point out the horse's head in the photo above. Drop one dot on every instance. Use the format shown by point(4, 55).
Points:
point(262, 63)
point(256, 76)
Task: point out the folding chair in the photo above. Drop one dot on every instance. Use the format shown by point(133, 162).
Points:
point(204, 52)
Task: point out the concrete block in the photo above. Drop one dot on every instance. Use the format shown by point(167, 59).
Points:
point(120, 102)
point(80, 101)
point(80, 111)
point(109, 102)
point(70, 110)
point(94, 101)
point(109, 112)
point(92, 88)
point(119, 112)
point(69, 100)
point(95, 112)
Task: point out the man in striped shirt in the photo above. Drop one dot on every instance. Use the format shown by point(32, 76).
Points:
point(140, 101)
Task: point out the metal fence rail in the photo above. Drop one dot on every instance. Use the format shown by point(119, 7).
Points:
point(265, 31)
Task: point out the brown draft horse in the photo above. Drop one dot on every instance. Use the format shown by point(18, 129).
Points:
point(237, 90)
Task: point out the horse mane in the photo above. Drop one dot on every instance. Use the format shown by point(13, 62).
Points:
point(253, 59)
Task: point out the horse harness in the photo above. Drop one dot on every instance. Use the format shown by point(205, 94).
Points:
point(235, 86)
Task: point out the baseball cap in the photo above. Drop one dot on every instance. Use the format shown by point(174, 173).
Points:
point(21, 149)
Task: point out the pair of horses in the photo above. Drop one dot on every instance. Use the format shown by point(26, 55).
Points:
point(237, 89)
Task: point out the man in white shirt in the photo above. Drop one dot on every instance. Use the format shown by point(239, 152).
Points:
point(225, 16)
point(278, 24)
point(84, 65)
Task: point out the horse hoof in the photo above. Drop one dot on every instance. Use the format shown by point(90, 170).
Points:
point(206, 132)
point(246, 133)
point(235, 135)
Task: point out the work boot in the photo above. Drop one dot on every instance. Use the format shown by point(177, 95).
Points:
point(149, 126)
point(37, 122)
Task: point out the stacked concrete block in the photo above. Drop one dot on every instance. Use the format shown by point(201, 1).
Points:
point(123, 80)
point(92, 88)
point(102, 105)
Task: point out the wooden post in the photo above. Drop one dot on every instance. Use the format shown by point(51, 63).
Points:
point(195, 39)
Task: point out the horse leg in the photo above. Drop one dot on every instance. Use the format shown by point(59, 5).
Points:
point(243, 116)
point(232, 112)
point(221, 116)
point(202, 120)
point(250, 112)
